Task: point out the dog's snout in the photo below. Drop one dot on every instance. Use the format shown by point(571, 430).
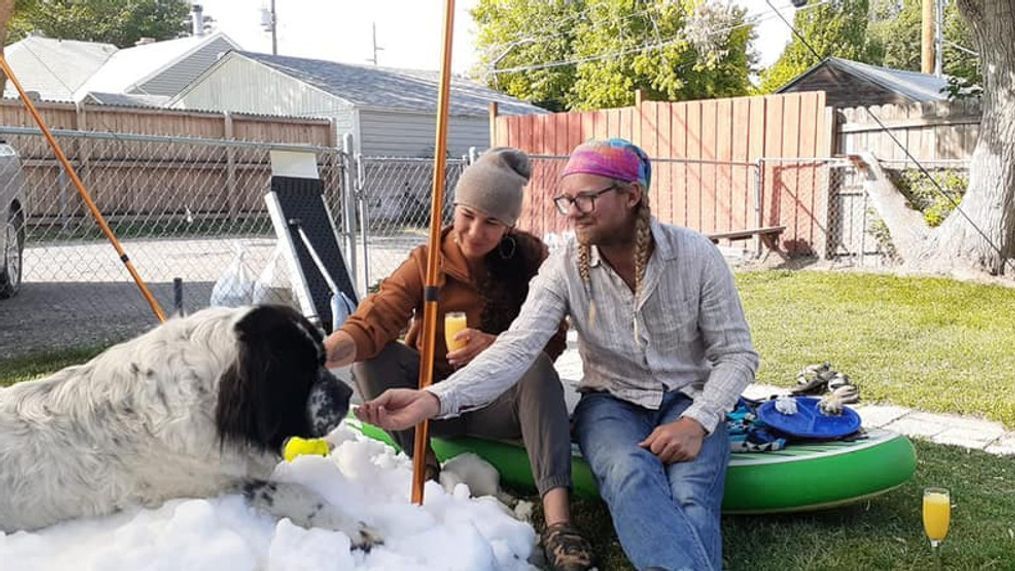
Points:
point(327, 403)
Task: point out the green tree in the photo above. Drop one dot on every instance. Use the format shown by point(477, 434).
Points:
point(118, 22)
point(670, 49)
point(895, 27)
point(521, 33)
point(981, 236)
point(6, 12)
point(837, 28)
point(960, 58)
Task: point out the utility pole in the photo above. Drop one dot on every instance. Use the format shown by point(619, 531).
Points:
point(939, 38)
point(274, 30)
point(927, 37)
point(376, 48)
point(269, 24)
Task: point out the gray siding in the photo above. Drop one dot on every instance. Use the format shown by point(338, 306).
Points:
point(398, 134)
point(244, 86)
point(173, 79)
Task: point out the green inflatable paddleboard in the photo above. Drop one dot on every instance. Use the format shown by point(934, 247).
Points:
point(800, 477)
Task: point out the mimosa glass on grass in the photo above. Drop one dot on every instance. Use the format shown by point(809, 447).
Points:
point(454, 321)
point(937, 510)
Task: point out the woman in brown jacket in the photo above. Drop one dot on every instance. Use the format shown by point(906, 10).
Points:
point(486, 265)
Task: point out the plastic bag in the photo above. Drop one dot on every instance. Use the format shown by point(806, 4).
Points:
point(341, 308)
point(273, 285)
point(235, 287)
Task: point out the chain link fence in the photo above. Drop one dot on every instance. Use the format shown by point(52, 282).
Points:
point(182, 208)
point(193, 209)
point(708, 195)
point(857, 235)
point(393, 195)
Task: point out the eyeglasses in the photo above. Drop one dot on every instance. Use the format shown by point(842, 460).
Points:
point(584, 202)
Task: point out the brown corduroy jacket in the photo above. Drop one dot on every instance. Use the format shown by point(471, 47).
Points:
point(383, 316)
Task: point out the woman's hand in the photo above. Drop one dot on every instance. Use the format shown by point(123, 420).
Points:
point(475, 342)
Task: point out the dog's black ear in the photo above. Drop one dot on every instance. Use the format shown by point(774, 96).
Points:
point(263, 394)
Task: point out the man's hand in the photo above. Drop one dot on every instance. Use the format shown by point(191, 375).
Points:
point(476, 342)
point(398, 409)
point(678, 441)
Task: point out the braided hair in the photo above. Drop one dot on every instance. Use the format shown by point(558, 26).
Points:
point(642, 243)
point(509, 268)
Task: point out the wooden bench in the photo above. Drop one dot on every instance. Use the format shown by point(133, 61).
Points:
point(769, 236)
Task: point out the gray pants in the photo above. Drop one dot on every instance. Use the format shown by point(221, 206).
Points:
point(534, 409)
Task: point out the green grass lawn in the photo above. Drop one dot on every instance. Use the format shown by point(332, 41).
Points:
point(885, 532)
point(925, 343)
point(32, 366)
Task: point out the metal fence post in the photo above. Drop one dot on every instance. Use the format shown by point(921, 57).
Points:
point(473, 155)
point(758, 221)
point(363, 220)
point(349, 206)
point(228, 134)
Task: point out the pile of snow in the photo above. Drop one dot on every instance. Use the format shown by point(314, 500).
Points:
point(365, 477)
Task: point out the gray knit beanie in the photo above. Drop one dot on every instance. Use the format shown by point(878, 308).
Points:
point(493, 184)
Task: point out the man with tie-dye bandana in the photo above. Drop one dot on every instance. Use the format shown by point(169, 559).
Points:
point(665, 349)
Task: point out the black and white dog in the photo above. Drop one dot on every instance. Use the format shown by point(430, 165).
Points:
point(196, 407)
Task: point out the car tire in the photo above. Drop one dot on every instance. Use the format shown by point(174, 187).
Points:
point(12, 258)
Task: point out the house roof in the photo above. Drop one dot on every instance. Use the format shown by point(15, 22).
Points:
point(131, 67)
point(394, 89)
point(125, 99)
point(918, 87)
point(54, 68)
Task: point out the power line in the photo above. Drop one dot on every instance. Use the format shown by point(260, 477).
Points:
point(556, 28)
point(607, 55)
point(645, 47)
point(793, 29)
point(905, 149)
point(962, 48)
point(561, 28)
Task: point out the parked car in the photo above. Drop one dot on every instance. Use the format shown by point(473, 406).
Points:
point(12, 221)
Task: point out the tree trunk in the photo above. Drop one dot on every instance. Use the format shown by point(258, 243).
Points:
point(909, 230)
point(6, 11)
point(989, 202)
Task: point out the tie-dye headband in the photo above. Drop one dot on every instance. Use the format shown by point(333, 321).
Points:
point(618, 159)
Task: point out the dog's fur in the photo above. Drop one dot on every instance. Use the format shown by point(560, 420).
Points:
point(196, 407)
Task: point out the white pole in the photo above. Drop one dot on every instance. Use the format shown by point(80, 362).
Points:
point(939, 36)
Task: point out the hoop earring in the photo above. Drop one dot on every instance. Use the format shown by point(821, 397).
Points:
point(507, 251)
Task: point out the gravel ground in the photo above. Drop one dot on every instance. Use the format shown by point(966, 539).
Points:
point(80, 295)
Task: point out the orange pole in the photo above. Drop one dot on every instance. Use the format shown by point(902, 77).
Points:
point(84, 193)
point(433, 256)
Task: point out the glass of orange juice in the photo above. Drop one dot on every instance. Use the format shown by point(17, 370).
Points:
point(937, 510)
point(454, 321)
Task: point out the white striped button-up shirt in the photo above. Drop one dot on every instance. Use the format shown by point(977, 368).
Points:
point(686, 331)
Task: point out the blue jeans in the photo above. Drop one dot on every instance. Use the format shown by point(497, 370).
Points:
point(665, 516)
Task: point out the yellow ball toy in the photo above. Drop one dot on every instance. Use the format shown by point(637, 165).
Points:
point(296, 446)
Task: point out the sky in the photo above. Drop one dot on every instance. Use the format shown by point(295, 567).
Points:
point(451, 531)
point(409, 31)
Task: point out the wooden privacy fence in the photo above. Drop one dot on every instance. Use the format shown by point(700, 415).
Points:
point(932, 132)
point(708, 173)
point(720, 166)
point(147, 161)
point(172, 122)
